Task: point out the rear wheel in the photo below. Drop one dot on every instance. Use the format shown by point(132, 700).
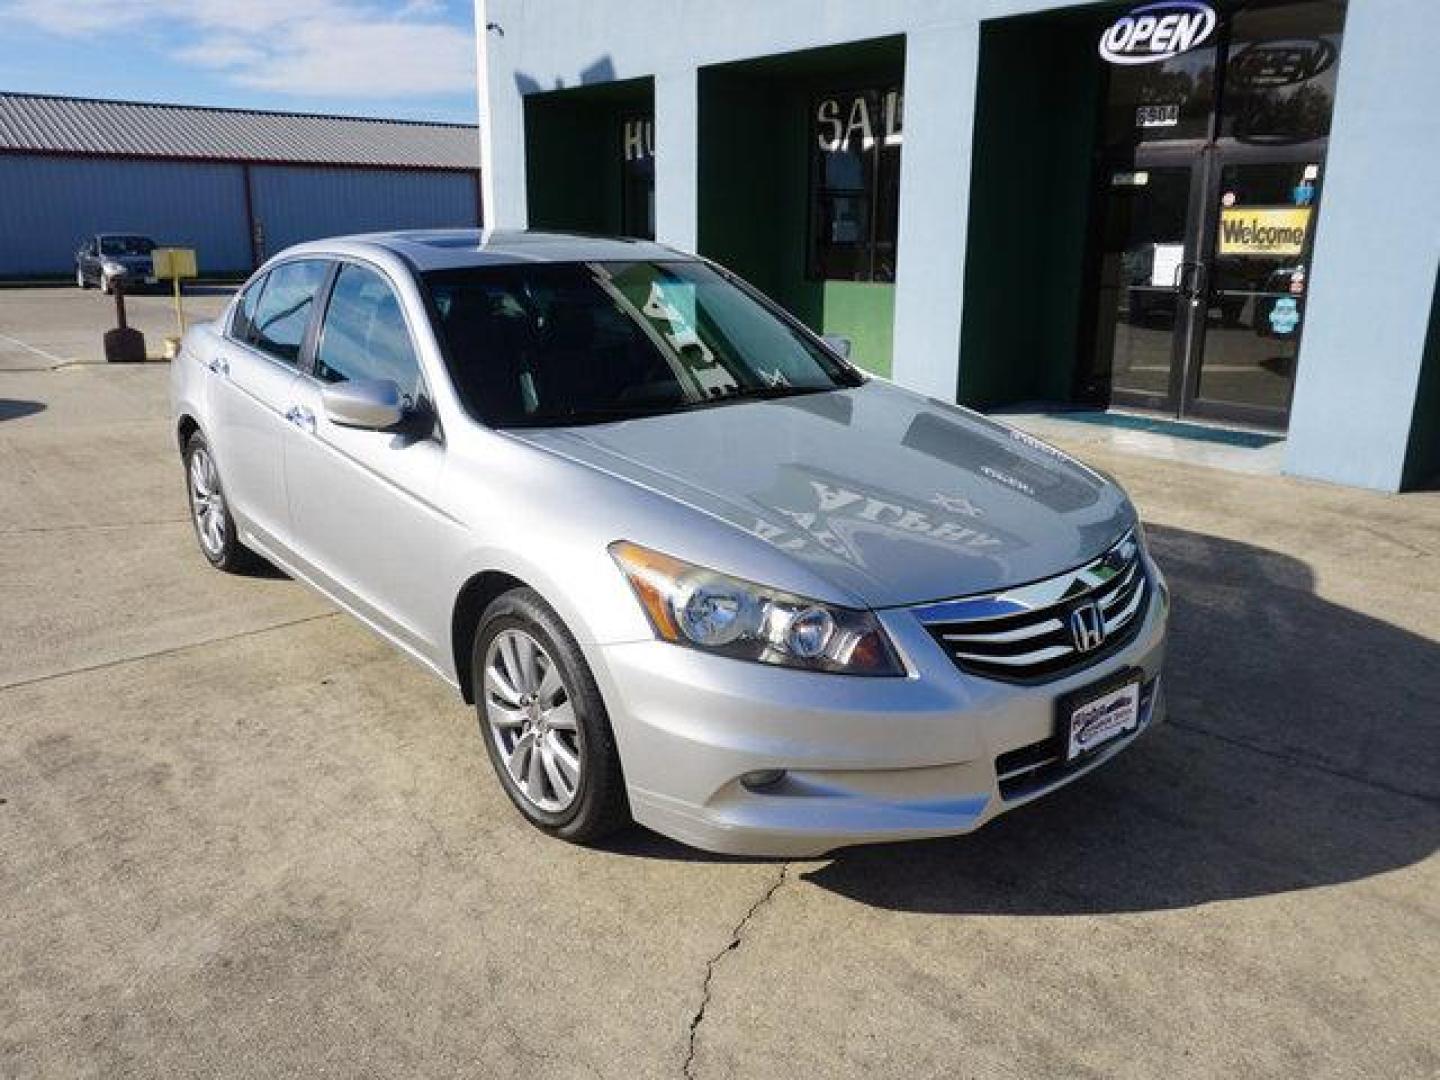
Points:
point(544, 723)
point(214, 525)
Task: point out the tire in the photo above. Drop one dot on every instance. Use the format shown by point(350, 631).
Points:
point(209, 512)
point(565, 723)
point(80, 277)
point(104, 283)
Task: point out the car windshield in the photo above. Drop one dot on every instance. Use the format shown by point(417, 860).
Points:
point(572, 343)
point(126, 245)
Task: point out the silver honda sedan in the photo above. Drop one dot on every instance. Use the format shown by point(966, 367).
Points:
point(692, 568)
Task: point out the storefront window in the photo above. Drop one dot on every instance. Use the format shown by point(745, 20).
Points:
point(855, 185)
point(1171, 99)
point(1280, 79)
point(637, 149)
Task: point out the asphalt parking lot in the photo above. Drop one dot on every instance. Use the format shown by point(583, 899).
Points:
point(239, 836)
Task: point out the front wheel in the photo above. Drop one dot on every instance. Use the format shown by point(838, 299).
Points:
point(544, 723)
point(80, 277)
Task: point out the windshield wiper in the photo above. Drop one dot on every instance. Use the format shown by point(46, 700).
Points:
point(757, 393)
point(598, 415)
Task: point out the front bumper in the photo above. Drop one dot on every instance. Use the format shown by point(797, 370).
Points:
point(866, 760)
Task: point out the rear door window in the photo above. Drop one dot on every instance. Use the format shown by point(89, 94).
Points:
point(243, 321)
point(282, 314)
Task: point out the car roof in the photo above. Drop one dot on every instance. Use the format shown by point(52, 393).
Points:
point(445, 249)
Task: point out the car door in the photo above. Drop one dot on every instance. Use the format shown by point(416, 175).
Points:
point(362, 502)
point(252, 375)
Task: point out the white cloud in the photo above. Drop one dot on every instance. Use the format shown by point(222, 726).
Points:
point(221, 53)
point(366, 59)
point(69, 19)
point(340, 48)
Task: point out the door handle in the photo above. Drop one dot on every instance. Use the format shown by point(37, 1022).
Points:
point(1190, 280)
point(301, 417)
point(218, 365)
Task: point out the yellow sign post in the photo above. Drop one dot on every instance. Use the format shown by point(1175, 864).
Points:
point(175, 264)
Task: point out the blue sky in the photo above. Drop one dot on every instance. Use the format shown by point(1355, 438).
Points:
point(412, 59)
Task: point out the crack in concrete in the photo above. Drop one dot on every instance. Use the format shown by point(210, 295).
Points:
point(41, 529)
point(168, 651)
point(737, 936)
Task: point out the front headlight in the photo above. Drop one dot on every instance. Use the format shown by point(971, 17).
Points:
point(707, 610)
point(111, 267)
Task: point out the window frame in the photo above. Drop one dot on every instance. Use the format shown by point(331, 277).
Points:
point(258, 282)
point(876, 92)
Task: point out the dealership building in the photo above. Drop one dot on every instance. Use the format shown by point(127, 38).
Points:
point(1217, 213)
point(236, 185)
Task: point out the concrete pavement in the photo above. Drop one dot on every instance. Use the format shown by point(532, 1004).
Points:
point(52, 326)
point(239, 836)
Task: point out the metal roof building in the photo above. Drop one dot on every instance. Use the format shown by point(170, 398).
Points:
point(237, 185)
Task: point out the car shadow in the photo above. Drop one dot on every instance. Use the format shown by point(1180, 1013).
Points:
point(14, 409)
point(1300, 751)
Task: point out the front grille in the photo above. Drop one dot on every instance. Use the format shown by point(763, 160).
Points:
point(1033, 768)
point(1027, 634)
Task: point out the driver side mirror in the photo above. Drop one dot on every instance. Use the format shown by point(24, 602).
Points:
point(371, 404)
point(838, 344)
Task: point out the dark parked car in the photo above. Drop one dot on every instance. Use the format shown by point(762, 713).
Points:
point(108, 258)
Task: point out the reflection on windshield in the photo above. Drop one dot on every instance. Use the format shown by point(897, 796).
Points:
point(571, 343)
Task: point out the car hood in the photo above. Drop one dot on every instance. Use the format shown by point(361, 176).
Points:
point(893, 497)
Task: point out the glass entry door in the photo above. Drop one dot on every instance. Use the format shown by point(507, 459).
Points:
point(1148, 270)
point(1256, 257)
point(1204, 257)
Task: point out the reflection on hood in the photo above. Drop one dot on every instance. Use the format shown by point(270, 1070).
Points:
point(893, 497)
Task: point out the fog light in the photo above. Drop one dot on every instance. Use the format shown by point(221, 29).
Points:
point(762, 778)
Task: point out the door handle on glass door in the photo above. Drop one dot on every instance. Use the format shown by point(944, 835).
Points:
point(1190, 281)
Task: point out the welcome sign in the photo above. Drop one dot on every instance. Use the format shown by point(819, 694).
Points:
point(1263, 230)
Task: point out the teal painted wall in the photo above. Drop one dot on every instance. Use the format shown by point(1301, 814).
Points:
point(1422, 455)
point(1030, 192)
point(572, 154)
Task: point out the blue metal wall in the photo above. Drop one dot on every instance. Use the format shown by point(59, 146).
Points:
point(49, 204)
point(295, 203)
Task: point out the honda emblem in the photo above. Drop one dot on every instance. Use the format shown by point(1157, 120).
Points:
point(1087, 627)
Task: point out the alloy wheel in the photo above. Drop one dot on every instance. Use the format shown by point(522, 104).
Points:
point(532, 721)
point(207, 503)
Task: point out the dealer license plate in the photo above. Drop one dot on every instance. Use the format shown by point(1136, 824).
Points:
point(1097, 721)
point(150, 279)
